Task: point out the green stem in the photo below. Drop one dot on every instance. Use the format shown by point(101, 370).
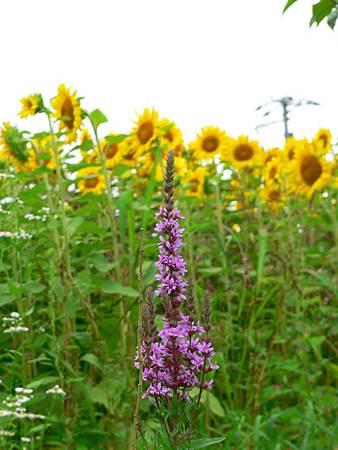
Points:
point(139, 347)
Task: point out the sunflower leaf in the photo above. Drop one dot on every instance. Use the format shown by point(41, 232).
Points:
point(205, 442)
point(331, 20)
point(97, 118)
point(116, 139)
point(288, 4)
point(321, 10)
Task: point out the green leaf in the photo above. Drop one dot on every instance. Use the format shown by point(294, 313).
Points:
point(92, 359)
point(116, 139)
point(97, 118)
point(79, 166)
point(331, 20)
point(210, 270)
point(73, 224)
point(321, 10)
point(204, 442)
point(288, 4)
point(43, 382)
point(113, 287)
point(33, 287)
point(100, 262)
point(5, 299)
point(214, 405)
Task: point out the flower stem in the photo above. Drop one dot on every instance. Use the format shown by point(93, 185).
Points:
point(139, 346)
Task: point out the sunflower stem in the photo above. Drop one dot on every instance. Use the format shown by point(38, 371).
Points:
point(115, 243)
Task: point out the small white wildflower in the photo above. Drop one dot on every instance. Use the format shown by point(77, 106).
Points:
point(5, 433)
point(5, 413)
point(25, 439)
point(18, 329)
point(20, 410)
point(45, 209)
point(7, 201)
point(15, 315)
point(21, 390)
point(56, 390)
point(7, 234)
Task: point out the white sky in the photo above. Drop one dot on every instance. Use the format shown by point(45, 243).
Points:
point(199, 62)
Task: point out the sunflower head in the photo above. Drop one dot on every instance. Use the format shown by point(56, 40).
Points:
point(273, 196)
point(272, 170)
point(13, 146)
point(31, 105)
point(91, 179)
point(112, 151)
point(194, 182)
point(42, 152)
point(130, 153)
point(171, 136)
point(242, 152)
point(269, 154)
point(309, 170)
point(290, 148)
point(210, 142)
point(68, 112)
point(323, 139)
point(146, 130)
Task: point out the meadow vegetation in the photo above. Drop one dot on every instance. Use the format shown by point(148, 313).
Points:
point(78, 248)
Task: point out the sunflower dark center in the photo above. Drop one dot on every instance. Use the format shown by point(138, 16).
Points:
point(169, 136)
point(194, 186)
point(111, 150)
point(324, 140)
point(210, 144)
point(145, 132)
point(272, 173)
point(243, 152)
point(68, 110)
point(130, 154)
point(291, 154)
point(275, 195)
point(310, 169)
point(91, 182)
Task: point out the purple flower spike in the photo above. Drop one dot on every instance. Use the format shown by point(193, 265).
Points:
point(177, 358)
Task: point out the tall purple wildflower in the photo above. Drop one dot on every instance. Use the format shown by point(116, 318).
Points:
point(178, 357)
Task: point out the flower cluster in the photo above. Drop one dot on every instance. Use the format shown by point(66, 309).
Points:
point(178, 357)
point(14, 323)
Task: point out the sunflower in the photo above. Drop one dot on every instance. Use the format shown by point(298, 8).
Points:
point(210, 142)
point(92, 180)
point(171, 136)
point(272, 170)
point(289, 148)
point(309, 170)
point(273, 195)
point(146, 130)
point(130, 153)
point(194, 180)
point(31, 105)
point(68, 112)
point(322, 140)
point(13, 147)
point(42, 152)
point(147, 161)
point(267, 155)
point(112, 152)
point(242, 152)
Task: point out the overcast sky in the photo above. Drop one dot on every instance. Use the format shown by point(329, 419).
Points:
point(199, 62)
